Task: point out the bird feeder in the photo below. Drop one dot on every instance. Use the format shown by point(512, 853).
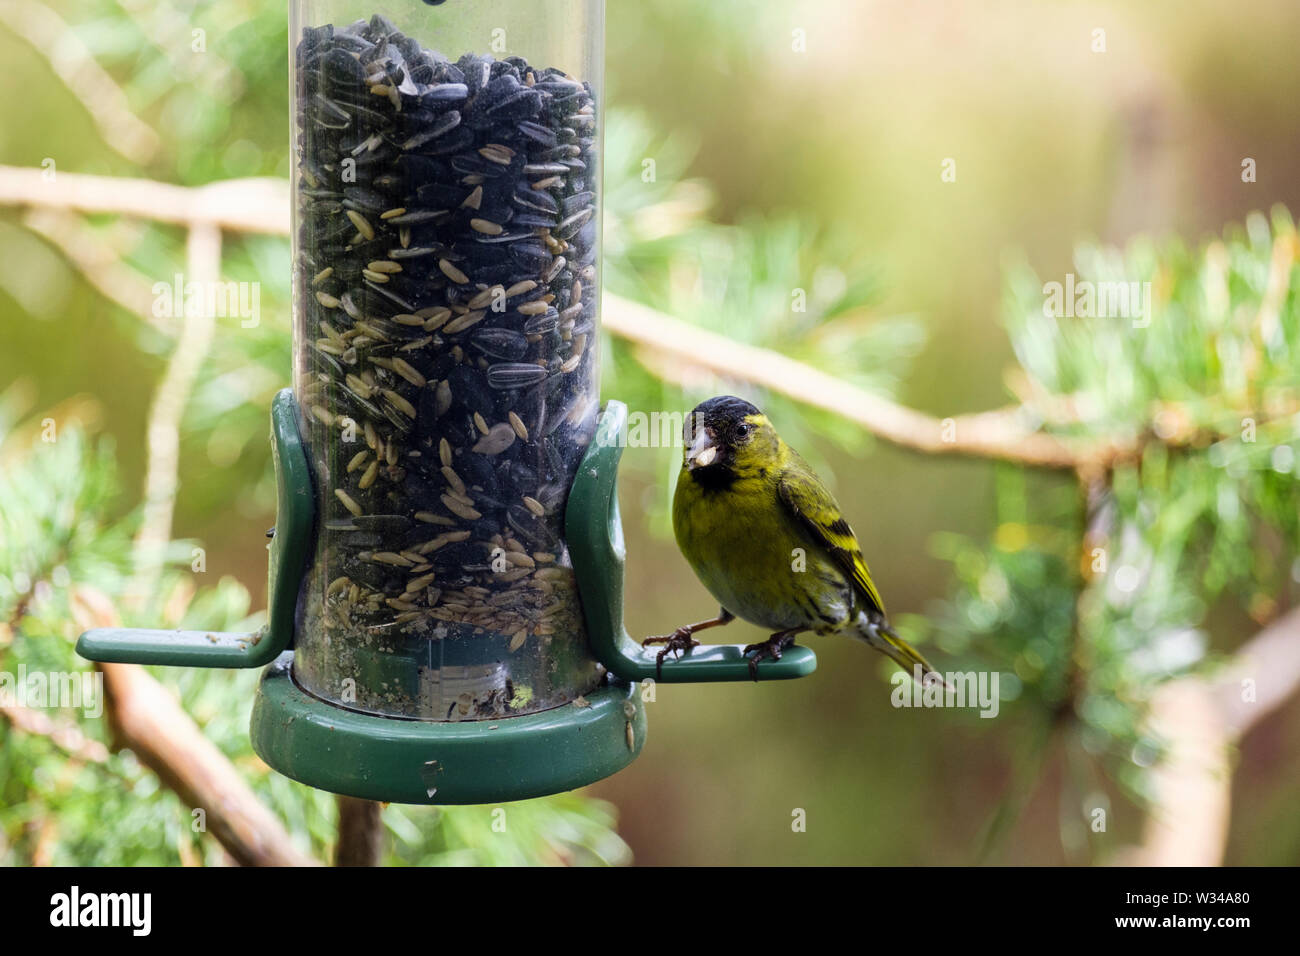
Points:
point(445, 620)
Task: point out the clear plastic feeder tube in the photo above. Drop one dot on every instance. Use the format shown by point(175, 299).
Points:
point(446, 291)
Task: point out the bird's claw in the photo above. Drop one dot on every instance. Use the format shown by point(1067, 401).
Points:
point(771, 649)
point(676, 643)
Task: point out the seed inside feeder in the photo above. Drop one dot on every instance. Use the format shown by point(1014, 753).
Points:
point(446, 228)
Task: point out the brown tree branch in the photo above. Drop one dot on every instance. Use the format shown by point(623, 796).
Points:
point(1191, 785)
point(66, 736)
point(361, 832)
point(1001, 434)
point(85, 79)
point(1262, 675)
point(1201, 720)
point(98, 262)
point(145, 718)
point(238, 205)
point(149, 721)
point(263, 206)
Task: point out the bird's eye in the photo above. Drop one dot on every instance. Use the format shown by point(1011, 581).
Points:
point(742, 430)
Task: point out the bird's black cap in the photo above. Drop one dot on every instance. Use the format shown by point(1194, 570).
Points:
point(722, 409)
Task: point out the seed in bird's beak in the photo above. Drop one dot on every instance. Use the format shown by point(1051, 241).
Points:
point(702, 452)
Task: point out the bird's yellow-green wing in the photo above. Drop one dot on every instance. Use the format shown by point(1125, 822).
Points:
point(810, 503)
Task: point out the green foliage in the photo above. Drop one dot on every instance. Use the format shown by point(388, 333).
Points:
point(56, 487)
point(1220, 341)
point(1013, 607)
point(1205, 520)
point(566, 829)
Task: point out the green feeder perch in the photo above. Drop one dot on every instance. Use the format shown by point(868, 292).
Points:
point(445, 620)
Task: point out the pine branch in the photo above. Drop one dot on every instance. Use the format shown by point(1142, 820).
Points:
point(263, 206)
point(149, 721)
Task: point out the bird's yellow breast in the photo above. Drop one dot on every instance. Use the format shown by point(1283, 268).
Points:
point(746, 551)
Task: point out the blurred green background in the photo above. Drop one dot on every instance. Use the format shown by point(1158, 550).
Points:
point(827, 161)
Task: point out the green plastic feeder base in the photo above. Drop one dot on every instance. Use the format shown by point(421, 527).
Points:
point(469, 761)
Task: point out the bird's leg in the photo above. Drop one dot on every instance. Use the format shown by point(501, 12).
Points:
point(681, 640)
point(771, 648)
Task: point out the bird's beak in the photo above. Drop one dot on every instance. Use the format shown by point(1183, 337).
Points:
point(703, 452)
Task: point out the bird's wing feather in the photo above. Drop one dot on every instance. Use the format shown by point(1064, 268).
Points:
point(810, 503)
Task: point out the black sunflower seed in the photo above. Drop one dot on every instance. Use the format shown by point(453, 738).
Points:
point(446, 362)
point(500, 343)
point(514, 374)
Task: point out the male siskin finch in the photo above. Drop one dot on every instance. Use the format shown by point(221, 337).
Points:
point(768, 541)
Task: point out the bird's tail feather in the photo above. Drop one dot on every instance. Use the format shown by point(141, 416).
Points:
point(882, 636)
